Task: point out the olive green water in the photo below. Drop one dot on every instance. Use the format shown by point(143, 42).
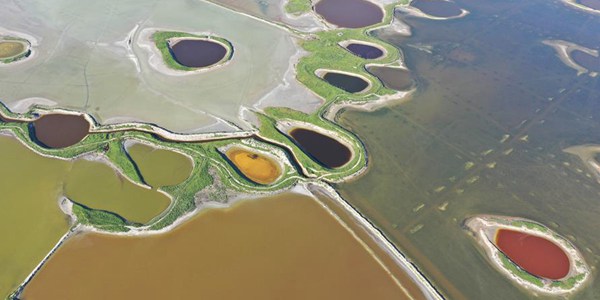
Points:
point(484, 137)
point(280, 247)
point(31, 222)
point(160, 167)
point(98, 186)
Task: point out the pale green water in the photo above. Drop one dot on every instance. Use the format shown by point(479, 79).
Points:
point(98, 186)
point(160, 167)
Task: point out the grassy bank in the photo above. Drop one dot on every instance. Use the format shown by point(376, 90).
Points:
point(161, 39)
point(298, 7)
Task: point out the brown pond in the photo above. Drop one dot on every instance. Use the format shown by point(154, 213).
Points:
point(256, 167)
point(325, 150)
point(281, 247)
point(364, 51)
point(536, 255)
point(348, 83)
point(195, 53)
point(393, 78)
point(60, 130)
point(593, 4)
point(437, 8)
point(349, 13)
point(587, 61)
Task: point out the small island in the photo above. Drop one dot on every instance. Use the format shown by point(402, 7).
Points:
point(531, 255)
point(13, 49)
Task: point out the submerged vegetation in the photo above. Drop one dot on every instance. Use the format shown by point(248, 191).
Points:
point(13, 49)
point(298, 7)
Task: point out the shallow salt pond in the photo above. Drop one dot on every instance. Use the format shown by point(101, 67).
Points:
point(196, 53)
point(60, 130)
point(324, 149)
point(349, 13)
point(393, 78)
point(348, 83)
point(536, 255)
point(256, 167)
point(9, 49)
point(96, 185)
point(364, 51)
point(437, 8)
point(587, 61)
point(281, 247)
point(160, 167)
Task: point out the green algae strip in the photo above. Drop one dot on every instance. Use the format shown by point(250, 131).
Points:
point(160, 167)
point(31, 222)
point(97, 186)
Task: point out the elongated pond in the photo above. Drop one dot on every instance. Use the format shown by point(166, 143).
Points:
point(60, 130)
point(534, 254)
point(364, 51)
point(254, 166)
point(284, 246)
point(325, 150)
point(197, 53)
point(346, 82)
point(349, 13)
point(160, 167)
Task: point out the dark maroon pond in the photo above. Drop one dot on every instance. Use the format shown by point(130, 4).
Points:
point(593, 4)
point(59, 130)
point(325, 150)
point(364, 51)
point(437, 8)
point(349, 13)
point(585, 60)
point(348, 83)
point(198, 53)
point(393, 78)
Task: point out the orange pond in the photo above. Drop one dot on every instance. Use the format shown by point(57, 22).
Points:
point(536, 255)
point(254, 166)
point(281, 247)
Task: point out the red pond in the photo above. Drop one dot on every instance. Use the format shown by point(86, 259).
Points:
point(534, 254)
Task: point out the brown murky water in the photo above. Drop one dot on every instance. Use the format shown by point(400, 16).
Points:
point(258, 168)
point(349, 13)
point(282, 247)
point(60, 130)
point(393, 78)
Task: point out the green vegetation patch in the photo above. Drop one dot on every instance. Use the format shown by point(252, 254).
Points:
point(161, 40)
point(100, 219)
point(326, 53)
point(298, 7)
point(514, 269)
point(529, 225)
point(568, 283)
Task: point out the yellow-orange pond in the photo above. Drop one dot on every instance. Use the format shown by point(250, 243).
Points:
point(281, 247)
point(254, 166)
